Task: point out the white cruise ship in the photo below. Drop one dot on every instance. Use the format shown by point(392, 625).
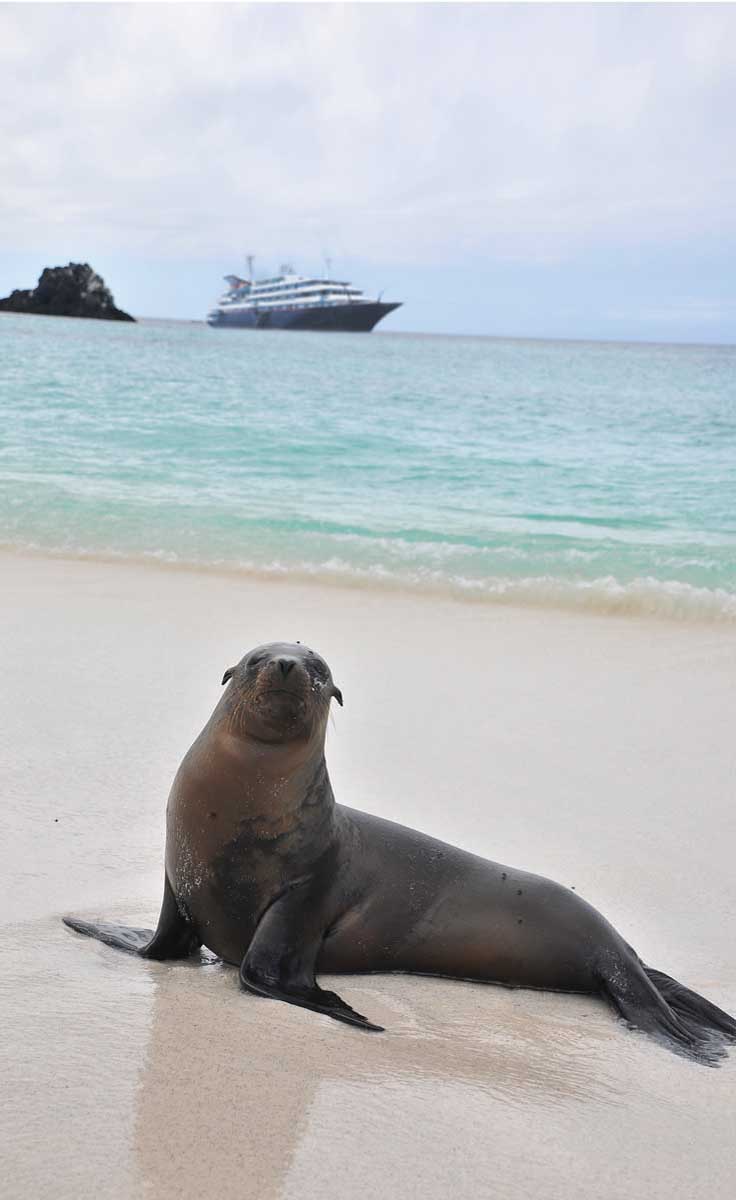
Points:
point(291, 301)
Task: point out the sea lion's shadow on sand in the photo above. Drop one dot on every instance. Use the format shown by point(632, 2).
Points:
point(229, 1080)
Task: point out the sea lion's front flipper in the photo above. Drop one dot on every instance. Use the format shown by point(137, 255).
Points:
point(280, 961)
point(174, 936)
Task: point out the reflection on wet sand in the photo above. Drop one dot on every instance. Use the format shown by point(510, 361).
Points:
point(229, 1081)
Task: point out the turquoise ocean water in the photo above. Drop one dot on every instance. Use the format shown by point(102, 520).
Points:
point(575, 474)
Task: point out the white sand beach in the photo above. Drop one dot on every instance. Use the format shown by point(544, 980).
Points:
point(596, 750)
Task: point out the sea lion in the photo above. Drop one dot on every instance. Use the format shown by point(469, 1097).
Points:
point(269, 873)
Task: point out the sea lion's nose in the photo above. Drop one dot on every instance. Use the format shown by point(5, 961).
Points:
point(285, 665)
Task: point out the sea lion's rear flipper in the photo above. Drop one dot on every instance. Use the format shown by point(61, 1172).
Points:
point(281, 959)
point(693, 1006)
point(173, 938)
point(666, 1009)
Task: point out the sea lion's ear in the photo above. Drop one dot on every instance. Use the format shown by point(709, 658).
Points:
point(228, 675)
point(337, 694)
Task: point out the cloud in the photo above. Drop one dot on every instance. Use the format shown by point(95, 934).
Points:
point(394, 132)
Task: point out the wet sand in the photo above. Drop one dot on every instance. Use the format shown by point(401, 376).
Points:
point(596, 750)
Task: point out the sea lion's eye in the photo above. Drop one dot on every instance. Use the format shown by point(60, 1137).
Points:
point(318, 668)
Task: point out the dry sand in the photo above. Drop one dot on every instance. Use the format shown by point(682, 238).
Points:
point(599, 751)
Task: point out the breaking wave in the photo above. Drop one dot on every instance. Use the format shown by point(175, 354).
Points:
point(643, 597)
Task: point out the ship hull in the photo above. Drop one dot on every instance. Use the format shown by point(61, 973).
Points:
point(337, 318)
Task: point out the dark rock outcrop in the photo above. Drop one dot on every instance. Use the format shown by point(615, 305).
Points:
point(72, 291)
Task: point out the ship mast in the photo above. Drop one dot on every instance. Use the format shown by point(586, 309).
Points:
point(250, 259)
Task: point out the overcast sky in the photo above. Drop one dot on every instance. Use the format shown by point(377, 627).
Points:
point(561, 170)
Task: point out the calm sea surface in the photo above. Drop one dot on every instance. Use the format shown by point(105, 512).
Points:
point(600, 475)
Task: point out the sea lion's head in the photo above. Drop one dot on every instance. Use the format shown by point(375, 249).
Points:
point(281, 692)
